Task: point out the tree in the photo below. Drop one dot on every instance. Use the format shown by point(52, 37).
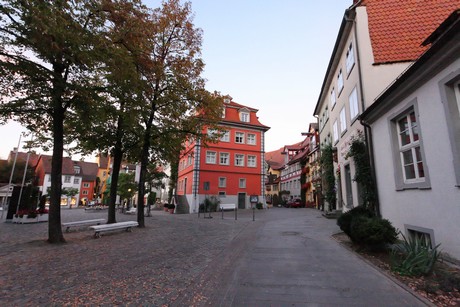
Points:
point(126, 188)
point(49, 53)
point(174, 102)
point(6, 168)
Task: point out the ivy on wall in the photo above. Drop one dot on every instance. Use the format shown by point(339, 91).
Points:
point(363, 175)
point(327, 167)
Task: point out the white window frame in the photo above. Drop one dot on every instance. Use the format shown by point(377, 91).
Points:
point(353, 102)
point(335, 132)
point(211, 157)
point(350, 61)
point(84, 192)
point(225, 137)
point(224, 155)
point(412, 146)
point(212, 132)
point(76, 181)
point(239, 137)
point(67, 179)
point(252, 161)
point(251, 139)
point(222, 182)
point(333, 98)
point(239, 160)
point(340, 84)
point(242, 183)
point(86, 185)
point(245, 117)
point(343, 121)
point(401, 180)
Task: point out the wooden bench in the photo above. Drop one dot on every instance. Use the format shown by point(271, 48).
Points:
point(114, 226)
point(82, 223)
point(228, 207)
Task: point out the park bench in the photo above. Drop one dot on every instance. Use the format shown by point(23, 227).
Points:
point(224, 207)
point(68, 225)
point(114, 226)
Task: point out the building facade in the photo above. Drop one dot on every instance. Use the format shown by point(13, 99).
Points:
point(231, 169)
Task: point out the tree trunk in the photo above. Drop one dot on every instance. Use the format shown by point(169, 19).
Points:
point(117, 157)
point(55, 234)
point(141, 187)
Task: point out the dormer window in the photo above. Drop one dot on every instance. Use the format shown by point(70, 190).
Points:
point(76, 169)
point(244, 117)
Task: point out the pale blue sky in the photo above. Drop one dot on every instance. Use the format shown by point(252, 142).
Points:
point(266, 54)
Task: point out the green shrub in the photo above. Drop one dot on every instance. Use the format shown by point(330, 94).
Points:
point(372, 231)
point(413, 257)
point(344, 221)
point(211, 203)
point(259, 206)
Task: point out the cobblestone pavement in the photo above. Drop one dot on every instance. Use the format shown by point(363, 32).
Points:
point(156, 265)
point(183, 260)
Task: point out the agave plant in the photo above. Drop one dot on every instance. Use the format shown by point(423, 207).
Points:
point(414, 257)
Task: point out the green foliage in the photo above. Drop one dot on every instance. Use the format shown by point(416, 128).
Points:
point(126, 186)
point(413, 257)
point(372, 231)
point(327, 166)
point(363, 175)
point(344, 221)
point(211, 203)
point(259, 206)
point(69, 192)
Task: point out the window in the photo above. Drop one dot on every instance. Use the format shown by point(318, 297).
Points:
point(333, 98)
point(225, 137)
point(212, 132)
point(221, 194)
point(86, 185)
point(189, 160)
point(244, 117)
point(67, 179)
point(224, 158)
point(410, 170)
point(84, 192)
point(335, 132)
point(350, 58)
point(409, 147)
point(242, 183)
point(251, 139)
point(211, 157)
point(343, 121)
point(340, 82)
point(222, 182)
point(104, 173)
point(252, 162)
point(49, 178)
point(239, 160)
point(76, 169)
point(76, 181)
point(353, 101)
point(239, 137)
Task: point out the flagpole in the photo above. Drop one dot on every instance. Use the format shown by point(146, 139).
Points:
point(11, 178)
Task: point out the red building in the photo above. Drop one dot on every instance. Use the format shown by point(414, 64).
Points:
point(231, 169)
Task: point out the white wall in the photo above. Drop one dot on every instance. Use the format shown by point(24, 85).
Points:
point(437, 208)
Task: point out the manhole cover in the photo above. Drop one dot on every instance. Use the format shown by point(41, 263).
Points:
point(290, 233)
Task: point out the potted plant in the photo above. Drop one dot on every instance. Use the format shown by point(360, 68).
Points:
point(171, 208)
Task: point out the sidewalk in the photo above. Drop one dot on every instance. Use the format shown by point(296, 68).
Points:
point(285, 258)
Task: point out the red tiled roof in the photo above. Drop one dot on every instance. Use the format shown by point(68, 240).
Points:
point(67, 165)
point(88, 170)
point(234, 117)
point(275, 159)
point(398, 28)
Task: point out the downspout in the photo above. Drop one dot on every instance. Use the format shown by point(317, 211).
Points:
point(370, 152)
point(367, 127)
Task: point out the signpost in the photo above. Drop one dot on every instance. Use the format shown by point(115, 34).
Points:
point(253, 199)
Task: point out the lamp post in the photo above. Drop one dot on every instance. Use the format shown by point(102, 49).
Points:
point(129, 200)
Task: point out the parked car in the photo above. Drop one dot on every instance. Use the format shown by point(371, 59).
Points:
point(294, 203)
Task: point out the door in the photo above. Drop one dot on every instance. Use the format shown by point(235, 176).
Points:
point(241, 200)
point(348, 191)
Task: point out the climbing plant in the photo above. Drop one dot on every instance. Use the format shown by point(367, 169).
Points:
point(363, 175)
point(327, 167)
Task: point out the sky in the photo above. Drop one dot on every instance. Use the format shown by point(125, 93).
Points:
point(270, 55)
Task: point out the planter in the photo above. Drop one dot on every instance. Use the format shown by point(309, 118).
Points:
point(171, 211)
point(26, 220)
point(42, 218)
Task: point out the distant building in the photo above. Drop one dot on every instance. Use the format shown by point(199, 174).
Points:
point(232, 169)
